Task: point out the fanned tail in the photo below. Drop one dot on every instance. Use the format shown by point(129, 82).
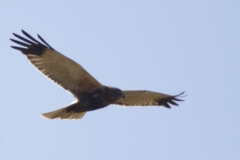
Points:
point(64, 113)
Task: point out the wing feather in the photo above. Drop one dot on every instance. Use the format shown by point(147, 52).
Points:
point(148, 98)
point(62, 70)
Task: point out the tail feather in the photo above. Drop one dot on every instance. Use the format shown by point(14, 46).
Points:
point(63, 113)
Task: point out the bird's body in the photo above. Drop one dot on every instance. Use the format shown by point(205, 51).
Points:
point(97, 99)
point(71, 76)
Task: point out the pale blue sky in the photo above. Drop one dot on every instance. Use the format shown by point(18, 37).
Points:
point(165, 46)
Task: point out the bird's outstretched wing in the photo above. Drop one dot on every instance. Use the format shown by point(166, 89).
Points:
point(62, 70)
point(148, 98)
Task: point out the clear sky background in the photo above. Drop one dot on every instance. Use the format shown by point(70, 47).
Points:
point(164, 46)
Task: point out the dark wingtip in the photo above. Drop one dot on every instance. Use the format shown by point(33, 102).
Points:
point(32, 45)
point(166, 105)
point(24, 32)
point(14, 47)
point(44, 42)
point(23, 50)
point(176, 99)
point(30, 37)
point(170, 100)
point(180, 94)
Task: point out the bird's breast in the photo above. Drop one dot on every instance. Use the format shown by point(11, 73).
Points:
point(92, 101)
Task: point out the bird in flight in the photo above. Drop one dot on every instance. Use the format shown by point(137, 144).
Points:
point(89, 93)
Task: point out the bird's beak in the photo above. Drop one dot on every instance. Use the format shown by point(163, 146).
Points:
point(123, 95)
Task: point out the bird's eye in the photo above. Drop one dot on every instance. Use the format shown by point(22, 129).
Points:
point(119, 93)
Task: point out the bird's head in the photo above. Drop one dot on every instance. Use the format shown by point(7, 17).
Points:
point(120, 93)
point(114, 94)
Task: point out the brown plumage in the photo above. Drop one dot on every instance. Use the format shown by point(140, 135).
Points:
point(89, 93)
